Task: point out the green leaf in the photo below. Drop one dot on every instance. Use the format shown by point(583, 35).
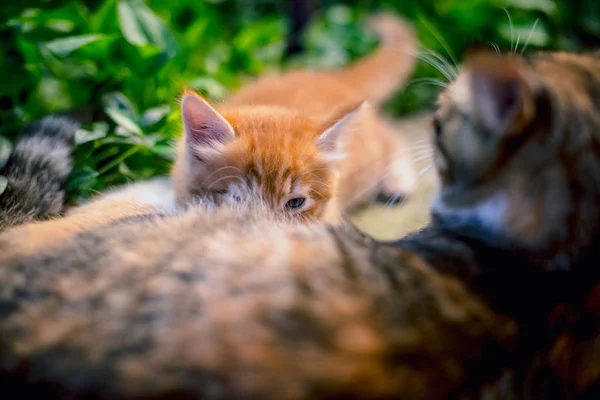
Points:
point(5, 149)
point(65, 46)
point(154, 115)
point(99, 130)
point(3, 184)
point(546, 6)
point(535, 35)
point(125, 171)
point(141, 26)
point(80, 177)
point(210, 87)
point(164, 151)
point(124, 121)
point(119, 101)
point(118, 107)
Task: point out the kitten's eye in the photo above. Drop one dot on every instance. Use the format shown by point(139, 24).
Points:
point(295, 203)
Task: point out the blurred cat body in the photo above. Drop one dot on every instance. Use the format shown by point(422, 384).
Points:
point(239, 302)
point(301, 138)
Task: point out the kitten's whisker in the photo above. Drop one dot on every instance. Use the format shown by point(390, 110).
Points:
point(310, 172)
point(529, 36)
point(423, 171)
point(371, 186)
point(392, 201)
point(422, 158)
point(317, 192)
point(517, 43)
point(222, 169)
point(223, 178)
point(319, 183)
point(414, 150)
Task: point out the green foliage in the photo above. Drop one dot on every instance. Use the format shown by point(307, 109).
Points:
point(125, 62)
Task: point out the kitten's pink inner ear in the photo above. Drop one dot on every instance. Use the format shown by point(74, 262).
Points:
point(501, 97)
point(329, 141)
point(204, 126)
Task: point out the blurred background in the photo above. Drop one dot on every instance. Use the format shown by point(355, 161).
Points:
point(121, 64)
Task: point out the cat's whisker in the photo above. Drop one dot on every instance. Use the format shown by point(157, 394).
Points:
point(418, 178)
point(431, 81)
point(440, 39)
point(423, 171)
point(435, 64)
point(225, 177)
point(529, 36)
point(222, 169)
point(422, 158)
point(319, 183)
point(512, 39)
point(310, 172)
point(420, 142)
point(317, 192)
point(413, 152)
point(371, 186)
point(451, 68)
point(419, 154)
point(496, 47)
point(425, 144)
point(517, 43)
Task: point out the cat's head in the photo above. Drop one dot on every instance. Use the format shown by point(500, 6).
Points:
point(271, 155)
point(517, 148)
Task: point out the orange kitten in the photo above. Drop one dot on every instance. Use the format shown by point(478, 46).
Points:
point(303, 142)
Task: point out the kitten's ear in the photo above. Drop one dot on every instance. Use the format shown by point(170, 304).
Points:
point(329, 141)
point(501, 97)
point(204, 127)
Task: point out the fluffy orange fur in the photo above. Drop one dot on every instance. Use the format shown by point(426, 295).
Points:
point(301, 141)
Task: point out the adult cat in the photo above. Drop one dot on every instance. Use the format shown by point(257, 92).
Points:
point(235, 303)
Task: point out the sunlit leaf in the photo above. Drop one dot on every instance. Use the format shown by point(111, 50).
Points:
point(118, 107)
point(99, 130)
point(125, 171)
point(141, 26)
point(65, 46)
point(526, 34)
point(546, 6)
point(124, 121)
point(209, 87)
point(154, 115)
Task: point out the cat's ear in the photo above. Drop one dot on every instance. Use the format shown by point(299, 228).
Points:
point(329, 141)
point(501, 97)
point(205, 128)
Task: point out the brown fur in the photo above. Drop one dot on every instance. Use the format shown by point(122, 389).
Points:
point(519, 134)
point(277, 121)
point(236, 302)
point(297, 311)
point(517, 146)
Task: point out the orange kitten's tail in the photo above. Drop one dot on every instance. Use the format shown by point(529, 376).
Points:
point(380, 74)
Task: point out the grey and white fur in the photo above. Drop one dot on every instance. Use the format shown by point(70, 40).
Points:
point(37, 171)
